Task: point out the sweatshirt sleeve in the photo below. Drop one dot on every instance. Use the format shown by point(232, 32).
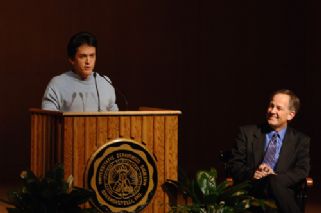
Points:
point(50, 100)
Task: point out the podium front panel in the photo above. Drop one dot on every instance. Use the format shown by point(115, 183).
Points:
point(71, 139)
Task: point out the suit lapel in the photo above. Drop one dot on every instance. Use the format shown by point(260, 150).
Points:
point(258, 146)
point(287, 151)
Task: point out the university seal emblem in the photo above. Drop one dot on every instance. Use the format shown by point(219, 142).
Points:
point(123, 175)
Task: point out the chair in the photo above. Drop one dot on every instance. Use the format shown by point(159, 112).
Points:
point(302, 189)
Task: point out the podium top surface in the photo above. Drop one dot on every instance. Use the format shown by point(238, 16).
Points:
point(142, 111)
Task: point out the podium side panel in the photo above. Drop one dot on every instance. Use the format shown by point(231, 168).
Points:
point(50, 143)
point(44, 145)
point(171, 147)
point(159, 151)
point(79, 150)
point(46, 142)
point(60, 141)
point(56, 141)
point(90, 137)
point(36, 144)
point(171, 151)
point(68, 146)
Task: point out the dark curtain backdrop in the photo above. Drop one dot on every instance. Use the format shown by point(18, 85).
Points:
point(216, 61)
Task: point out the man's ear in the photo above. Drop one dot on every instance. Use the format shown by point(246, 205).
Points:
point(71, 61)
point(291, 115)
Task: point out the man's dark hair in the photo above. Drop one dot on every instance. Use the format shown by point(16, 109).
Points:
point(79, 39)
point(294, 104)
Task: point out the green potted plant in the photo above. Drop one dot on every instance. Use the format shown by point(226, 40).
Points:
point(204, 195)
point(50, 194)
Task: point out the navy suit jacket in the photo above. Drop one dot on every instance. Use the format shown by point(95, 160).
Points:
point(294, 161)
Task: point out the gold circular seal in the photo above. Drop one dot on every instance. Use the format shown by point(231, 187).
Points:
point(123, 175)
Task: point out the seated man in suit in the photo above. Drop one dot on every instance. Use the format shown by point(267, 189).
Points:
point(273, 156)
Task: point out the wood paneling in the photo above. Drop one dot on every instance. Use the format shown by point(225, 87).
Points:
point(72, 138)
point(102, 124)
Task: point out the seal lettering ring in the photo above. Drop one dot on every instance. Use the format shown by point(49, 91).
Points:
point(123, 175)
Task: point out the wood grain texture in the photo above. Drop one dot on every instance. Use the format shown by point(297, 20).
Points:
point(59, 140)
point(113, 127)
point(148, 140)
point(159, 151)
point(171, 151)
point(171, 147)
point(78, 150)
point(125, 125)
point(45, 142)
point(148, 132)
point(136, 128)
point(102, 126)
point(90, 144)
point(68, 146)
point(36, 160)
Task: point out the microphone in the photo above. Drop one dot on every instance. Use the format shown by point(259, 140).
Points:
point(83, 101)
point(116, 89)
point(99, 108)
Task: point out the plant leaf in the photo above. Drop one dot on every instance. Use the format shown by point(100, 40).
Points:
point(206, 181)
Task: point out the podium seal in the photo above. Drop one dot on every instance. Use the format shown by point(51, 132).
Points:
point(123, 175)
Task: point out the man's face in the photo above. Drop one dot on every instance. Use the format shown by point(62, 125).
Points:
point(278, 112)
point(84, 61)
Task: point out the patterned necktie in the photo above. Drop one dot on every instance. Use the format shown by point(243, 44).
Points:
point(269, 157)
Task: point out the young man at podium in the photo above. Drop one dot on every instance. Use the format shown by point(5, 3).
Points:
point(80, 89)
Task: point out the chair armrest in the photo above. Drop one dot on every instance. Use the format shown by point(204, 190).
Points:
point(309, 182)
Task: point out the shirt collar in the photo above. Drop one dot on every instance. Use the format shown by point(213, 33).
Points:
point(281, 134)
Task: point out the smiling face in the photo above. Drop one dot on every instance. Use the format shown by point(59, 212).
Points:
point(84, 61)
point(279, 111)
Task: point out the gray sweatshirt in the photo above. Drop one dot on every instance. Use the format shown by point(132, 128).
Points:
point(68, 92)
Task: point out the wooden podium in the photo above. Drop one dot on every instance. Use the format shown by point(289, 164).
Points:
point(72, 137)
